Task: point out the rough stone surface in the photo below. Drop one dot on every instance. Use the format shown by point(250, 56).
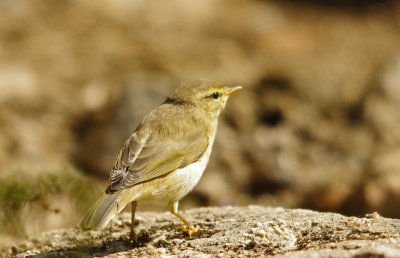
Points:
point(227, 232)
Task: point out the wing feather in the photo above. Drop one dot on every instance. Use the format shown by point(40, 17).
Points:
point(150, 154)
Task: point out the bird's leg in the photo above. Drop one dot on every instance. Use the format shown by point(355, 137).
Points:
point(188, 228)
point(132, 234)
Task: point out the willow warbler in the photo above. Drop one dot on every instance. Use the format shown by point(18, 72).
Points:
point(166, 155)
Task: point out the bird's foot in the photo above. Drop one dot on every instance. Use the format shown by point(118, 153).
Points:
point(189, 230)
point(133, 237)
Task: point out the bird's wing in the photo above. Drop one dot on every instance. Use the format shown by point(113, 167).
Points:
point(146, 156)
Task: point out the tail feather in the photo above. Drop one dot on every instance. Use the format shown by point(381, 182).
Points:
point(103, 211)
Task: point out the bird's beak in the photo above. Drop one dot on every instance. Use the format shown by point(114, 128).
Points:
point(233, 90)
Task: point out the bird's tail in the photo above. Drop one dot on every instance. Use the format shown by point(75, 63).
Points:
point(103, 211)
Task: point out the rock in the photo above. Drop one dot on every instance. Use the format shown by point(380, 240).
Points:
point(251, 231)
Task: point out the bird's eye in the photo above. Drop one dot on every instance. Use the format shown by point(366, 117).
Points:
point(215, 95)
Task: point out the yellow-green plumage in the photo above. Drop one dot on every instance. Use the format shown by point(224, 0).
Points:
point(165, 157)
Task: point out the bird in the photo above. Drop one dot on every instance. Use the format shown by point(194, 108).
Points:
point(165, 157)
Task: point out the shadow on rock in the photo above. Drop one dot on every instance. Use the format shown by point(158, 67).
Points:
point(90, 250)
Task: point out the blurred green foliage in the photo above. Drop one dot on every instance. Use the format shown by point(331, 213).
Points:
point(23, 190)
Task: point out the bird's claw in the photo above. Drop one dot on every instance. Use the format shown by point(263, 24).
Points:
point(189, 230)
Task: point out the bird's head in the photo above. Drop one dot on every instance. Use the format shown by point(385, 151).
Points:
point(211, 96)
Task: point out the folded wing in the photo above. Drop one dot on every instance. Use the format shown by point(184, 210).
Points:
point(151, 154)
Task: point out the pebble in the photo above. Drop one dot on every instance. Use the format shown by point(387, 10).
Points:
point(161, 240)
point(162, 250)
point(258, 232)
point(177, 241)
point(374, 215)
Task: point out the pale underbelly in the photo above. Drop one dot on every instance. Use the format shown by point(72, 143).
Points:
point(173, 187)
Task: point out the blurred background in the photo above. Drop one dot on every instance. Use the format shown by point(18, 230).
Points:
point(317, 125)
